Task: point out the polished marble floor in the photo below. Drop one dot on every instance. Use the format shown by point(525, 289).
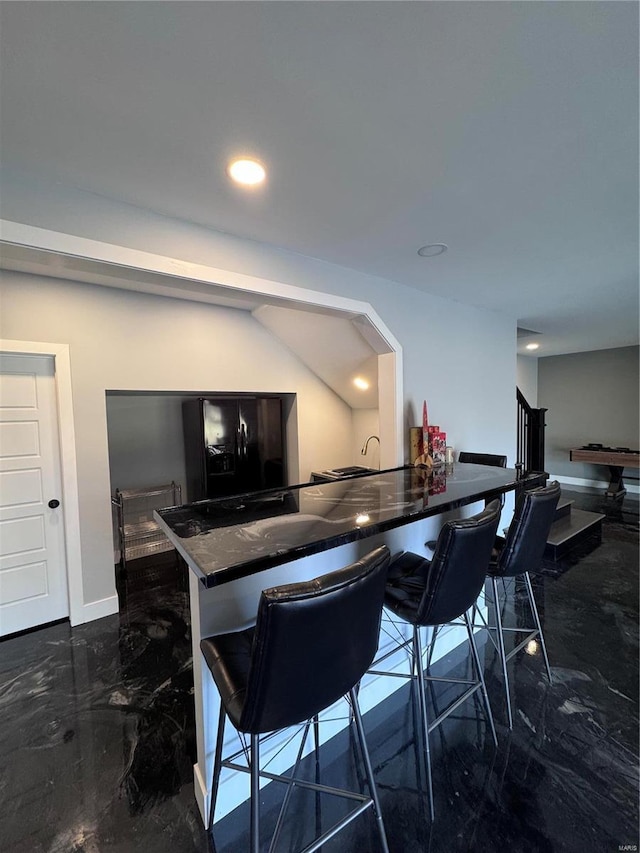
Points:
point(97, 735)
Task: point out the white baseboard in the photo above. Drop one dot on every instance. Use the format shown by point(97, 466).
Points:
point(95, 610)
point(632, 488)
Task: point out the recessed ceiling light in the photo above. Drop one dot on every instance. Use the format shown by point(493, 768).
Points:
point(432, 249)
point(532, 346)
point(248, 172)
point(361, 383)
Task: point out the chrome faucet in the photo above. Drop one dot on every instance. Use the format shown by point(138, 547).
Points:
point(366, 444)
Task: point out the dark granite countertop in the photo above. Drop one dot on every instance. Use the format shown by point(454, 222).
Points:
point(233, 537)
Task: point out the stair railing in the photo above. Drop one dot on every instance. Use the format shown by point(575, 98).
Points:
point(530, 435)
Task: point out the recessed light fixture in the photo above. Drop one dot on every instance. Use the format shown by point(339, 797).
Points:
point(247, 172)
point(532, 346)
point(363, 518)
point(361, 383)
point(432, 249)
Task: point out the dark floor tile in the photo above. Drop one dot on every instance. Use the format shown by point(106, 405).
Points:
point(97, 740)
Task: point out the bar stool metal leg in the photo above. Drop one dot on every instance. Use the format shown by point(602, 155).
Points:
point(316, 749)
point(422, 701)
point(285, 803)
point(501, 651)
point(536, 617)
point(255, 794)
point(217, 766)
point(368, 769)
point(432, 643)
point(483, 686)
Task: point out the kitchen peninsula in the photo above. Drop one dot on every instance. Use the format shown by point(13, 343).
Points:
point(237, 546)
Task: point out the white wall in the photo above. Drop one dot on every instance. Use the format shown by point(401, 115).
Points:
point(132, 341)
point(365, 422)
point(527, 378)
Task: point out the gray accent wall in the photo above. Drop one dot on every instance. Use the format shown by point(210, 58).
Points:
point(591, 397)
point(146, 444)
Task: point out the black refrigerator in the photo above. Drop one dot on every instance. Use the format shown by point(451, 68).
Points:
point(232, 445)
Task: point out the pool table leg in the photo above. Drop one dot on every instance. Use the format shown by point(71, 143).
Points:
point(616, 487)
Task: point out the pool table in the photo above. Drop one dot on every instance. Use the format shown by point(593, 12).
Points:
point(615, 458)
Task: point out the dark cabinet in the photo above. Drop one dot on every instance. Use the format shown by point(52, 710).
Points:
point(233, 445)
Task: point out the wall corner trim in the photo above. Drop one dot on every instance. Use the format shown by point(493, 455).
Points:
point(97, 610)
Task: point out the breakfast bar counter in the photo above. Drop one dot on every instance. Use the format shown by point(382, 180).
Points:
point(239, 545)
point(234, 537)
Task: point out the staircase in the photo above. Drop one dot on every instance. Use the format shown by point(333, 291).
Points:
point(573, 528)
point(529, 434)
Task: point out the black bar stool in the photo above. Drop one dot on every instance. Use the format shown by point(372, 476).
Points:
point(312, 643)
point(494, 460)
point(435, 592)
point(516, 555)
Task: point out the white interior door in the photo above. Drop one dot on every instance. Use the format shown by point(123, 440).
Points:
point(33, 574)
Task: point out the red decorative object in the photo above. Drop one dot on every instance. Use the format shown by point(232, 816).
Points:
point(430, 432)
point(425, 429)
point(438, 441)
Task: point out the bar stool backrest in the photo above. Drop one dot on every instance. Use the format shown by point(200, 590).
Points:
point(313, 642)
point(459, 566)
point(529, 530)
point(493, 459)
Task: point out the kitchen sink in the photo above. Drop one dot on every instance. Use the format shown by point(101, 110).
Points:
point(350, 471)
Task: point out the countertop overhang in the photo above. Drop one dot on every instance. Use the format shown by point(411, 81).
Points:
point(237, 536)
